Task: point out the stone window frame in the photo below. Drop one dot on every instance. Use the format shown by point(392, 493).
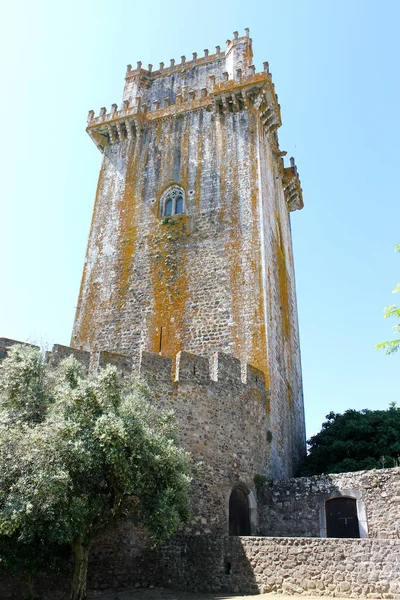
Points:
point(252, 505)
point(361, 510)
point(172, 192)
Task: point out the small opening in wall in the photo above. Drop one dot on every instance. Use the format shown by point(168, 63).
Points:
point(194, 369)
point(161, 336)
point(228, 568)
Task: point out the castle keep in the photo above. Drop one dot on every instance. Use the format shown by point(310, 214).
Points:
point(190, 246)
point(189, 283)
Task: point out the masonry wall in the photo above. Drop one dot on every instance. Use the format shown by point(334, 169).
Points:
point(221, 411)
point(241, 565)
point(296, 507)
point(222, 422)
point(251, 565)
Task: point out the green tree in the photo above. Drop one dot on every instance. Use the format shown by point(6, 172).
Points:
point(78, 455)
point(392, 346)
point(354, 441)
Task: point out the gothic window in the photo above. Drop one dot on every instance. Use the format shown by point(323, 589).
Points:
point(173, 201)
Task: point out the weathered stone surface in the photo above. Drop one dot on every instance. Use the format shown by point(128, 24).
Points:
point(219, 276)
point(290, 565)
point(295, 507)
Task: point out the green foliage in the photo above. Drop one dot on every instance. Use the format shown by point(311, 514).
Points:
point(392, 346)
point(79, 454)
point(354, 441)
point(259, 481)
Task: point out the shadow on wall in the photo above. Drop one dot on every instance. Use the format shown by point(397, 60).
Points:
point(207, 564)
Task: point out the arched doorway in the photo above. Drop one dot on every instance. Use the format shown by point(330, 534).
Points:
point(341, 518)
point(239, 512)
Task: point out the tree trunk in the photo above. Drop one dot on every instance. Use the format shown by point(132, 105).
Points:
point(29, 580)
point(81, 555)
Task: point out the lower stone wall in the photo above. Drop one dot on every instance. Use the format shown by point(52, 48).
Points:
point(296, 507)
point(243, 565)
point(120, 560)
point(251, 565)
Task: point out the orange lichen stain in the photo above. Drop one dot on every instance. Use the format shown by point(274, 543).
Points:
point(289, 394)
point(258, 354)
point(283, 280)
point(169, 285)
point(129, 208)
point(89, 296)
point(247, 55)
point(168, 264)
point(234, 250)
point(284, 297)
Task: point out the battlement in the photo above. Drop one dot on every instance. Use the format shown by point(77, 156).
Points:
point(237, 43)
point(6, 343)
point(185, 367)
point(223, 82)
point(292, 187)
point(226, 96)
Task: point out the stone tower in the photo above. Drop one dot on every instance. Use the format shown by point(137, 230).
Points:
point(190, 244)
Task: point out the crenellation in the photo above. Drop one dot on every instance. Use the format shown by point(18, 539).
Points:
point(255, 377)
point(155, 366)
point(190, 367)
point(225, 367)
point(124, 364)
point(7, 343)
point(60, 352)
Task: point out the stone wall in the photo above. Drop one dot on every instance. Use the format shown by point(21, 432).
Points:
point(221, 411)
point(296, 507)
point(321, 567)
point(241, 565)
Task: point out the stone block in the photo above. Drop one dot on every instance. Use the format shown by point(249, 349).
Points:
point(190, 367)
point(59, 352)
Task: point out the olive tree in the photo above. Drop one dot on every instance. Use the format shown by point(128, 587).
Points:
point(78, 455)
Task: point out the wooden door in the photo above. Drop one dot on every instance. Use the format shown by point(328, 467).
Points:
point(341, 518)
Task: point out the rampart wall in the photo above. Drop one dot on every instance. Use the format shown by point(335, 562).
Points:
point(296, 507)
point(251, 565)
point(221, 410)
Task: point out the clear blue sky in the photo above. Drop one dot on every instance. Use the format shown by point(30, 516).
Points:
point(335, 67)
